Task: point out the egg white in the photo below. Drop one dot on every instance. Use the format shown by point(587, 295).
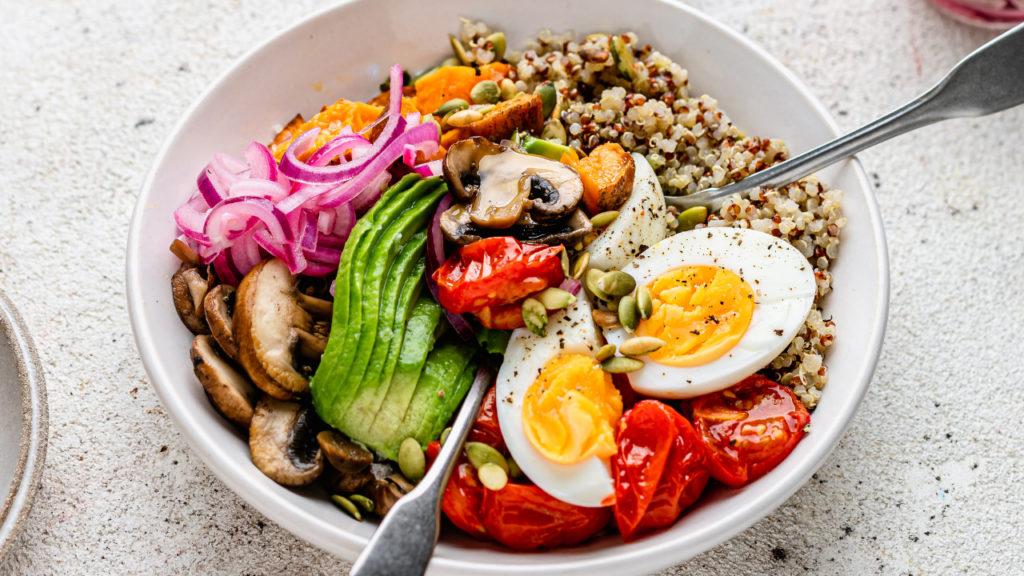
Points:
point(784, 289)
point(571, 331)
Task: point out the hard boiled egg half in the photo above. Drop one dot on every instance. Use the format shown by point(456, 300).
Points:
point(558, 410)
point(727, 301)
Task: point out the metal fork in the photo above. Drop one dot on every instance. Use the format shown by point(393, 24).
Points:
point(989, 80)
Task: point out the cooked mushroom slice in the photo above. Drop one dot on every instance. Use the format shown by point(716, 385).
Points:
point(219, 307)
point(350, 462)
point(188, 286)
point(283, 443)
point(458, 228)
point(386, 491)
point(270, 322)
point(228, 389)
point(461, 163)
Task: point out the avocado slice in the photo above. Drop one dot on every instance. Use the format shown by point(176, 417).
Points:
point(436, 424)
point(320, 387)
point(379, 261)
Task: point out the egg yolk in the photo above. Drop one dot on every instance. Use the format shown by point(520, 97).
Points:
point(571, 409)
point(700, 312)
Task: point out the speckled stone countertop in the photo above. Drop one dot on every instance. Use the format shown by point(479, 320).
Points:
point(928, 480)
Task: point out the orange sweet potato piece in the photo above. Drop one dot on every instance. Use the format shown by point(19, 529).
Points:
point(607, 175)
point(289, 131)
point(409, 92)
point(495, 71)
point(443, 85)
point(523, 112)
point(332, 119)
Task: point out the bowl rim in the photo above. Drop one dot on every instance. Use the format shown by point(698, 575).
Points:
point(333, 539)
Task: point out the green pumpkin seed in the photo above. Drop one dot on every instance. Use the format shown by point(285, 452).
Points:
point(444, 434)
point(535, 316)
point(621, 365)
point(554, 131)
point(363, 502)
point(486, 92)
point(606, 319)
point(453, 105)
point(623, 57)
point(555, 298)
point(644, 303)
point(411, 460)
point(605, 352)
point(565, 262)
point(485, 109)
point(581, 265)
point(628, 314)
point(453, 61)
point(460, 50)
point(591, 278)
point(492, 476)
point(347, 505)
point(497, 41)
point(480, 454)
point(613, 304)
point(548, 97)
point(604, 218)
point(508, 89)
point(463, 118)
point(514, 471)
point(617, 283)
point(641, 346)
point(690, 217)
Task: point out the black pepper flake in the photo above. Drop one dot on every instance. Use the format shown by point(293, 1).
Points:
point(695, 332)
point(778, 332)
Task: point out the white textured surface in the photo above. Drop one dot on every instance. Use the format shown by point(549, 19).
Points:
point(929, 479)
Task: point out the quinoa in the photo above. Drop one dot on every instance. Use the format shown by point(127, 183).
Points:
point(692, 145)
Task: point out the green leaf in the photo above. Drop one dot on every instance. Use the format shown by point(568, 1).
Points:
point(494, 341)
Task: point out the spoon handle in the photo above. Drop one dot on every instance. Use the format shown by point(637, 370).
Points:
point(405, 539)
point(988, 80)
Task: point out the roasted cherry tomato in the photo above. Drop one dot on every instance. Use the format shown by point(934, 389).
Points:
point(526, 518)
point(433, 449)
point(463, 498)
point(496, 271)
point(748, 428)
point(659, 468)
point(486, 428)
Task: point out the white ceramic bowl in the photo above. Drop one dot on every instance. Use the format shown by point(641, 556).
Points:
point(345, 51)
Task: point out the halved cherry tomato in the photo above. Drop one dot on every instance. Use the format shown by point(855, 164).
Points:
point(748, 429)
point(659, 469)
point(496, 271)
point(486, 428)
point(433, 449)
point(526, 518)
point(463, 498)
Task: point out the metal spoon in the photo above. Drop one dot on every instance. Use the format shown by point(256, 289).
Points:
point(405, 539)
point(989, 80)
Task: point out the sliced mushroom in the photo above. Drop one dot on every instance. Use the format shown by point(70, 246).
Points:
point(350, 462)
point(228, 389)
point(270, 322)
point(385, 492)
point(219, 307)
point(188, 287)
point(460, 229)
point(282, 439)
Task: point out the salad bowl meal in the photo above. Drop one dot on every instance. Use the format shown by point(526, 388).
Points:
point(382, 202)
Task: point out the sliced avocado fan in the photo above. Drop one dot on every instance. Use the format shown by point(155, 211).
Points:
point(382, 379)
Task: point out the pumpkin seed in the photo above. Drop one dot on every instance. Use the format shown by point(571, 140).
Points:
point(604, 218)
point(690, 217)
point(411, 460)
point(564, 254)
point(617, 283)
point(463, 118)
point(628, 314)
point(555, 298)
point(497, 41)
point(514, 471)
point(492, 476)
point(535, 316)
point(548, 97)
point(508, 89)
point(347, 505)
point(606, 319)
point(613, 304)
point(459, 49)
point(554, 130)
point(581, 265)
point(605, 352)
point(623, 57)
point(486, 92)
point(593, 275)
point(453, 61)
point(363, 502)
point(453, 105)
point(480, 454)
point(444, 434)
point(641, 346)
point(621, 365)
point(644, 303)
point(485, 109)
